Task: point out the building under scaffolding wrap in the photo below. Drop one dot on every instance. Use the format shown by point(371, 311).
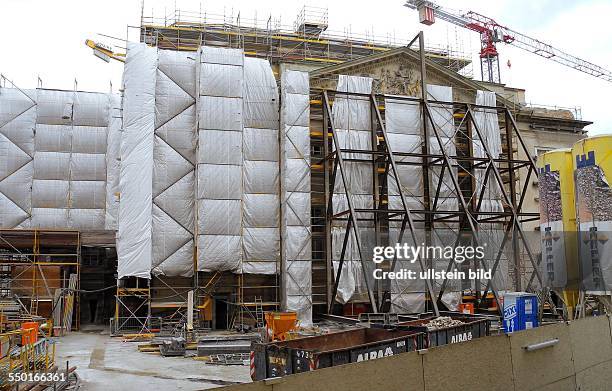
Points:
point(252, 175)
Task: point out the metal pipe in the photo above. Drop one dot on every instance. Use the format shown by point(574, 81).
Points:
point(541, 345)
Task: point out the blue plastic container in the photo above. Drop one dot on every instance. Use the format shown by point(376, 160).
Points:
point(520, 311)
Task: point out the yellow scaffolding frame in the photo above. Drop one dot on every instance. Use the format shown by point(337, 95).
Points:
point(32, 251)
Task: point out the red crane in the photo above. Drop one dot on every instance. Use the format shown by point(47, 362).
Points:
point(492, 33)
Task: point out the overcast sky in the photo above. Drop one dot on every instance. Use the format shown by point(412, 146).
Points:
point(46, 39)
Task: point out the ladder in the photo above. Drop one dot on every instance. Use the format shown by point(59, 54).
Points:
point(259, 313)
point(34, 305)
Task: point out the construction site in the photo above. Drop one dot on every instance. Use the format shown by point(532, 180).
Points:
point(264, 206)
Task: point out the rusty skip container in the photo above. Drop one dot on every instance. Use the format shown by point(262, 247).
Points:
point(307, 354)
point(472, 327)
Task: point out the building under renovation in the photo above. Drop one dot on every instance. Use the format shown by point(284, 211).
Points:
point(244, 168)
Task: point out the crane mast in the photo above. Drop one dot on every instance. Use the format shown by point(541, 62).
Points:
point(492, 33)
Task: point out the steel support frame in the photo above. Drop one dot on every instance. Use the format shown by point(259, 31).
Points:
point(469, 213)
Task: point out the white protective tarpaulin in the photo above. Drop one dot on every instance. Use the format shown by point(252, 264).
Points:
point(17, 125)
point(404, 128)
point(113, 163)
point(53, 173)
point(295, 194)
point(404, 131)
point(174, 164)
point(488, 124)
point(353, 124)
point(444, 233)
point(219, 159)
point(134, 244)
point(260, 170)
point(70, 145)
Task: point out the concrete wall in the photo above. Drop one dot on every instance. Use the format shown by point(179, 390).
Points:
point(582, 360)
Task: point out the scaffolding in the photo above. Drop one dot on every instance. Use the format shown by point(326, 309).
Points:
point(468, 218)
point(160, 304)
point(44, 270)
point(308, 40)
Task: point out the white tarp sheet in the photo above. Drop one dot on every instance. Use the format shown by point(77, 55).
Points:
point(353, 123)
point(404, 132)
point(173, 164)
point(404, 128)
point(134, 243)
point(295, 194)
point(55, 171)
point(17, 124)
point(220, 191)
point(113, 163)
point(260, 170)
point(488, 124)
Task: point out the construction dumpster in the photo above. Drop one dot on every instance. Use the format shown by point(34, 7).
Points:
point(470, 327)
point(306, 354)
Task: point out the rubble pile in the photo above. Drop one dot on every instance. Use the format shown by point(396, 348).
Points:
point(442, 322)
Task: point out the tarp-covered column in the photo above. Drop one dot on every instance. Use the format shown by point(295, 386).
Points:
point(113, 162)
point(488, 124)
point(173, 210)
point(403, 121)
point(261, 202)
point(353, 124)
point(134, 244)
point(444, 234)
point(219, 159)
point(295, 194)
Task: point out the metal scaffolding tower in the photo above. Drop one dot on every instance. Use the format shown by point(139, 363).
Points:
point(469, 218)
